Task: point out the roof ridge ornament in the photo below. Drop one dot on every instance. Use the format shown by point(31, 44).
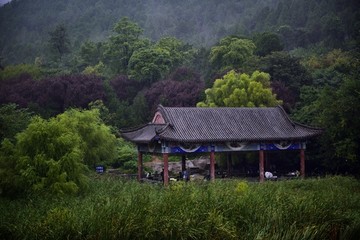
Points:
point(160, 115)
point(286, 115)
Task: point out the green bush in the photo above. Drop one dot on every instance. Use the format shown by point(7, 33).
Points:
point(53, 155)
point(13, 71)
point(126, 153)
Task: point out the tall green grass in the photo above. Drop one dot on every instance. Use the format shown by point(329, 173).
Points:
point(229, 209)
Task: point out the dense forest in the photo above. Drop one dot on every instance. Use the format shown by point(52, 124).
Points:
point(24, 25)
point(75, 72)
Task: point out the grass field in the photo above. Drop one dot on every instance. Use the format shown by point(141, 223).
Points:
point(327, 208)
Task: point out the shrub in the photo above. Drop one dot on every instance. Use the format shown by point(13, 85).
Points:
point(51, 155)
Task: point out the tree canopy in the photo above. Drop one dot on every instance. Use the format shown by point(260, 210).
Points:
point(55, 154)
point(13, 120)
point(266, 43)
point(52, 95)
point(59, 42)
point(231, 52)
point(150, 64)
point(240, 90)
point(298, 23)
point(120, 47)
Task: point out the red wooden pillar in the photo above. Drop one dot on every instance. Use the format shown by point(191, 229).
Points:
point(140, 166)
point(302, 163)
point(212, 165)
point(166, 168)
point(261, 165)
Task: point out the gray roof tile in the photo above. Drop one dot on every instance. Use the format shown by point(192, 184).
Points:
point(222, 124)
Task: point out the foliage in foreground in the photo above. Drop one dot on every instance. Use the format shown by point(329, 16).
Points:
point(53, 155)
point(113, 209)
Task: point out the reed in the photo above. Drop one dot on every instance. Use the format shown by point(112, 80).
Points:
point(326, 208)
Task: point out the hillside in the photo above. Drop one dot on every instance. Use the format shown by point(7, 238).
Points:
point(25, 25)
point(121, 58)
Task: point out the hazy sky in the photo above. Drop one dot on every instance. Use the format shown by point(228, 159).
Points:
point(2, 2)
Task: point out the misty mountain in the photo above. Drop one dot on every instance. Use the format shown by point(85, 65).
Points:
point(25, 25)
point(2, 2)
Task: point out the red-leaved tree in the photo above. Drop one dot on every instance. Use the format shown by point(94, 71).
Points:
point(172, 93)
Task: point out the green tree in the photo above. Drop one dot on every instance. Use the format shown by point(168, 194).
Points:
point(52, 154)
point(10, 180)
point(154, 63)
point(330, 68)
point(307, 111)
point(333, 109)
point(47, 156)
point(331, 103)
point(99, 70)
point(12, 120)
point(50, 157)
point(98, 143)
point(90, 53)
point(59, 42)
point(288, 70)
point(180, 53)
point(122, 45)
point(266, 43)
point(150, 64)
point(240, 90)
point(13, 71)
point(334, 30)
point(139, 110)
point(127, 156)
point(231, 52)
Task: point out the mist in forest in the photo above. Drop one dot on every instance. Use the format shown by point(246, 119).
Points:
point(24, 25)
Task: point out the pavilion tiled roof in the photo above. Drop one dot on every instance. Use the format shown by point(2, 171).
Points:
point(186, 124)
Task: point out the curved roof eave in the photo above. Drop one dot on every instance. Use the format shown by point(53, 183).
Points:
point(142, 134)
point(222, 125)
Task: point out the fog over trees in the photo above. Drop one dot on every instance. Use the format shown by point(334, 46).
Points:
point(24, 25)
point(105, 65)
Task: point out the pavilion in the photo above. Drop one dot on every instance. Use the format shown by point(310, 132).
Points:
point(185, 130)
